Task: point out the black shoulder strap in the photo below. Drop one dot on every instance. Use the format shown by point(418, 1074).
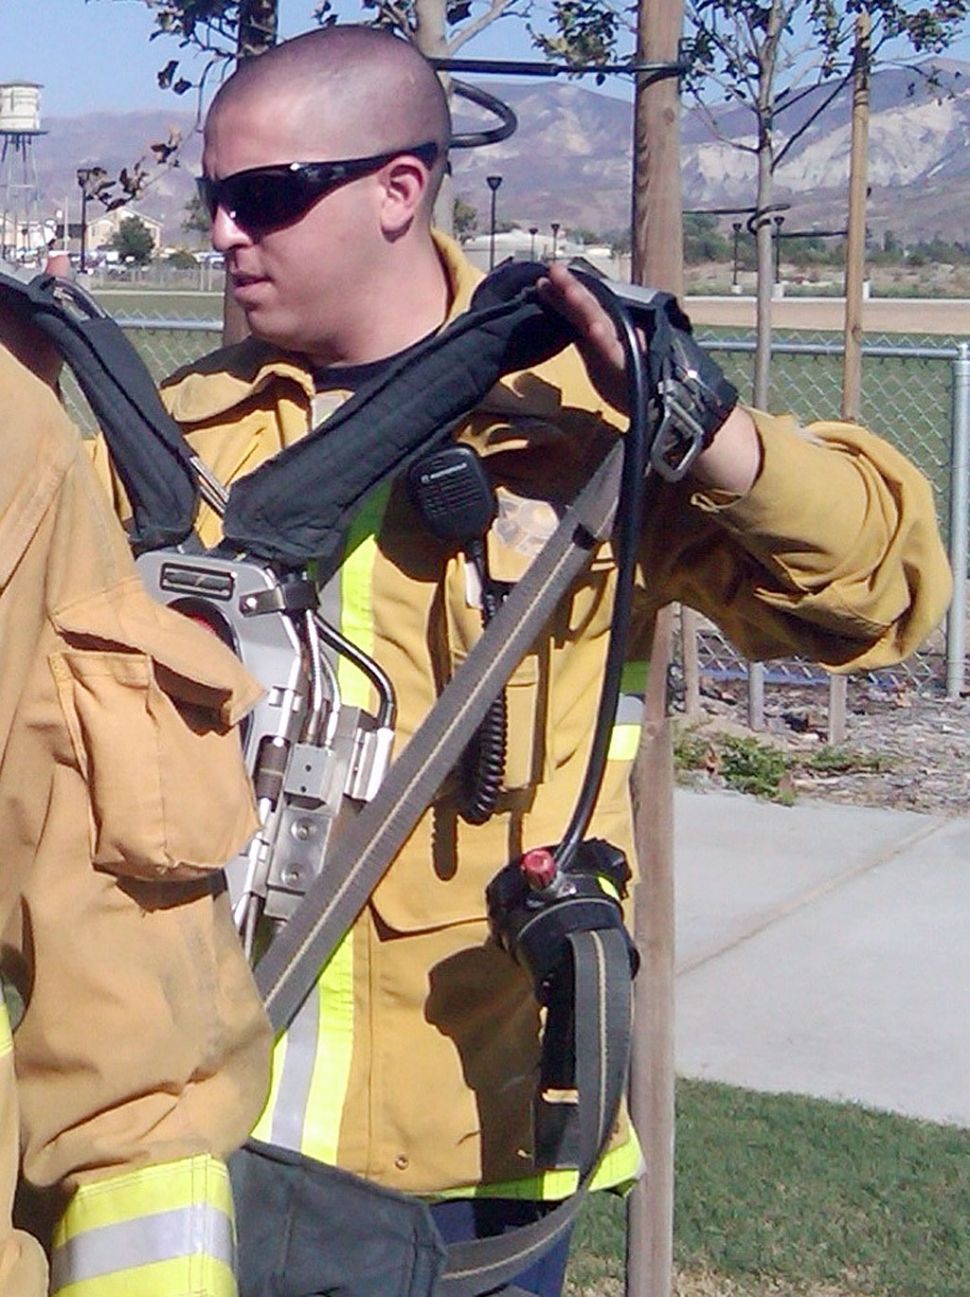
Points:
point(152, 458)
point(297, 504)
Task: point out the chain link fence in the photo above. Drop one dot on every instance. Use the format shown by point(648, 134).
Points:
point(907, 397)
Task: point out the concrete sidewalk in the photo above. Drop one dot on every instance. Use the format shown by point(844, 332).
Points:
point(825, 950)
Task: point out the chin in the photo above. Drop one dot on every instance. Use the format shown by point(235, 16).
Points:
point(272, 331)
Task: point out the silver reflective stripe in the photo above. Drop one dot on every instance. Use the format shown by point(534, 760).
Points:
point(629, 709)
point(299, 1058)
point(198, 1230)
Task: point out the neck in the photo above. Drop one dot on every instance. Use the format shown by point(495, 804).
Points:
point(408, 303)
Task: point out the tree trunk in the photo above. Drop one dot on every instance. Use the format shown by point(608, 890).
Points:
point(431, 38)
point(658, 245)
point(765, 280)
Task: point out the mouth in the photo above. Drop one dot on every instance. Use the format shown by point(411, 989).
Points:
point(245, 285)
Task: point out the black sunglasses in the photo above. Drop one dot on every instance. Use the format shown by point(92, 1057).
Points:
point(267, 198)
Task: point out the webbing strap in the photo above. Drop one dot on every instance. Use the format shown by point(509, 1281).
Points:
point(152, 459)
point(290, 967)
point(287, 972)
point(601, 963)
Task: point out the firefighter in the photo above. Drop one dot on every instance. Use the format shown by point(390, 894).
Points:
point(413, 1063)
point(140, 1045)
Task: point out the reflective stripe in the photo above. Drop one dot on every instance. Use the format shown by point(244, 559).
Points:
point(197, 1277)
point(624, 742)
point(292, 1069)
point(618, 1168)
point(311, 1066)
point(6, 1039)
point(311, 1061)
point(183, 1235)
point(356, 583)
point(625, 738)
point(124, 1233)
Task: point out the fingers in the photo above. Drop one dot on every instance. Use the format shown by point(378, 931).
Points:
point(58, 263)
point(564, 293)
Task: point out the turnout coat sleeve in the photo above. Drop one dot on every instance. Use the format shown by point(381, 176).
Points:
point(427, 1033)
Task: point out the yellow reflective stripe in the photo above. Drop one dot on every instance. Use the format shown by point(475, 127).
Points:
point(311, 1060)
point(618, 1168)
point(263, 1128)
point(6, 1038)
point(331, 1072)
point(200, 1277)
point(335, 989)
point(633, 678)
point(174, 1218)
point(624, 741)
point(625, 738)
point(356, 610)
point(311, 1066)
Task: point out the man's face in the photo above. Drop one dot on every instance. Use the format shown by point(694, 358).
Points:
point(303, 286)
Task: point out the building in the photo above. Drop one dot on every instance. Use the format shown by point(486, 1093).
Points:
point(524, 245)
point(103, 226)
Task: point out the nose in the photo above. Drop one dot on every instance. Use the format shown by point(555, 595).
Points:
point(225, 233)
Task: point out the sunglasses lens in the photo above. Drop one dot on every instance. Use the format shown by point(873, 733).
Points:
point(258, 200)
point(208, 191)
point(265, 200)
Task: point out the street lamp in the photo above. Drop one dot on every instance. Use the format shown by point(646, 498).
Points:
point(493, 183)
point(533, 230)
point(84, 175)
point(736, 227)
point(554, 226)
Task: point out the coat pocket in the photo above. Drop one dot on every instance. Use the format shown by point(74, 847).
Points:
point(168, 793)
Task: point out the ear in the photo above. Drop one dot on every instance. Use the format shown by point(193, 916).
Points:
point(405, 183)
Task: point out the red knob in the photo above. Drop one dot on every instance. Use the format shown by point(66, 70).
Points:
point(538, 864)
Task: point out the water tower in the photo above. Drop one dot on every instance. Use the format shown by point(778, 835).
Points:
point(21, 233)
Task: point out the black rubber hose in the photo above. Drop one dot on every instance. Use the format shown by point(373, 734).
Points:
point(482, 764)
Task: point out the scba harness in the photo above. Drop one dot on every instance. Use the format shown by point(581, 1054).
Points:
point(317, 763)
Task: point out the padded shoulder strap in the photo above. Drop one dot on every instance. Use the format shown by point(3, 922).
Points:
point(296, 505)
point(148, 450)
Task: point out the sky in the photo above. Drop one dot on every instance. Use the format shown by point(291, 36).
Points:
point(93, 55)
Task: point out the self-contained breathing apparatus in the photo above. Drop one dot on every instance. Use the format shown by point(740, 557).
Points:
point(333, 811)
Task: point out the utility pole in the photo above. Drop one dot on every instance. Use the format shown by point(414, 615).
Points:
point(657, 260)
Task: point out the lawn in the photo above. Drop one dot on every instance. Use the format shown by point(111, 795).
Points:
point(778, 1194)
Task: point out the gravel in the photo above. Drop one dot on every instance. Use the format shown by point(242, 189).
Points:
point(918, 740)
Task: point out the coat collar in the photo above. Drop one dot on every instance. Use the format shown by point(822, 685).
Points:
point(216, 385)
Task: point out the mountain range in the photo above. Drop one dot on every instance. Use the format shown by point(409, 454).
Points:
point(569, 161)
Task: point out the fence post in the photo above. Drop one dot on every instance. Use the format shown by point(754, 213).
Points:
point(956, 621)
point(689, 621)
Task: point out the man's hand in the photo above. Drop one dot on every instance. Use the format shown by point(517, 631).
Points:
point(596, 335)
point(731, 463)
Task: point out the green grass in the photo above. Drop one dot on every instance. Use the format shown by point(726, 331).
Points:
point(159, 303)
point(907, 400)
point(805, 1191)
point(751, 765)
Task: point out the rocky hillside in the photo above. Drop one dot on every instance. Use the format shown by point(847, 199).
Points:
point(569, 160)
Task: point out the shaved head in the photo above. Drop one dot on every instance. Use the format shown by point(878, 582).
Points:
point(357, 91)
point(349, 271)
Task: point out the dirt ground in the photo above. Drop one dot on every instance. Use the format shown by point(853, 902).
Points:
point(928, 315)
